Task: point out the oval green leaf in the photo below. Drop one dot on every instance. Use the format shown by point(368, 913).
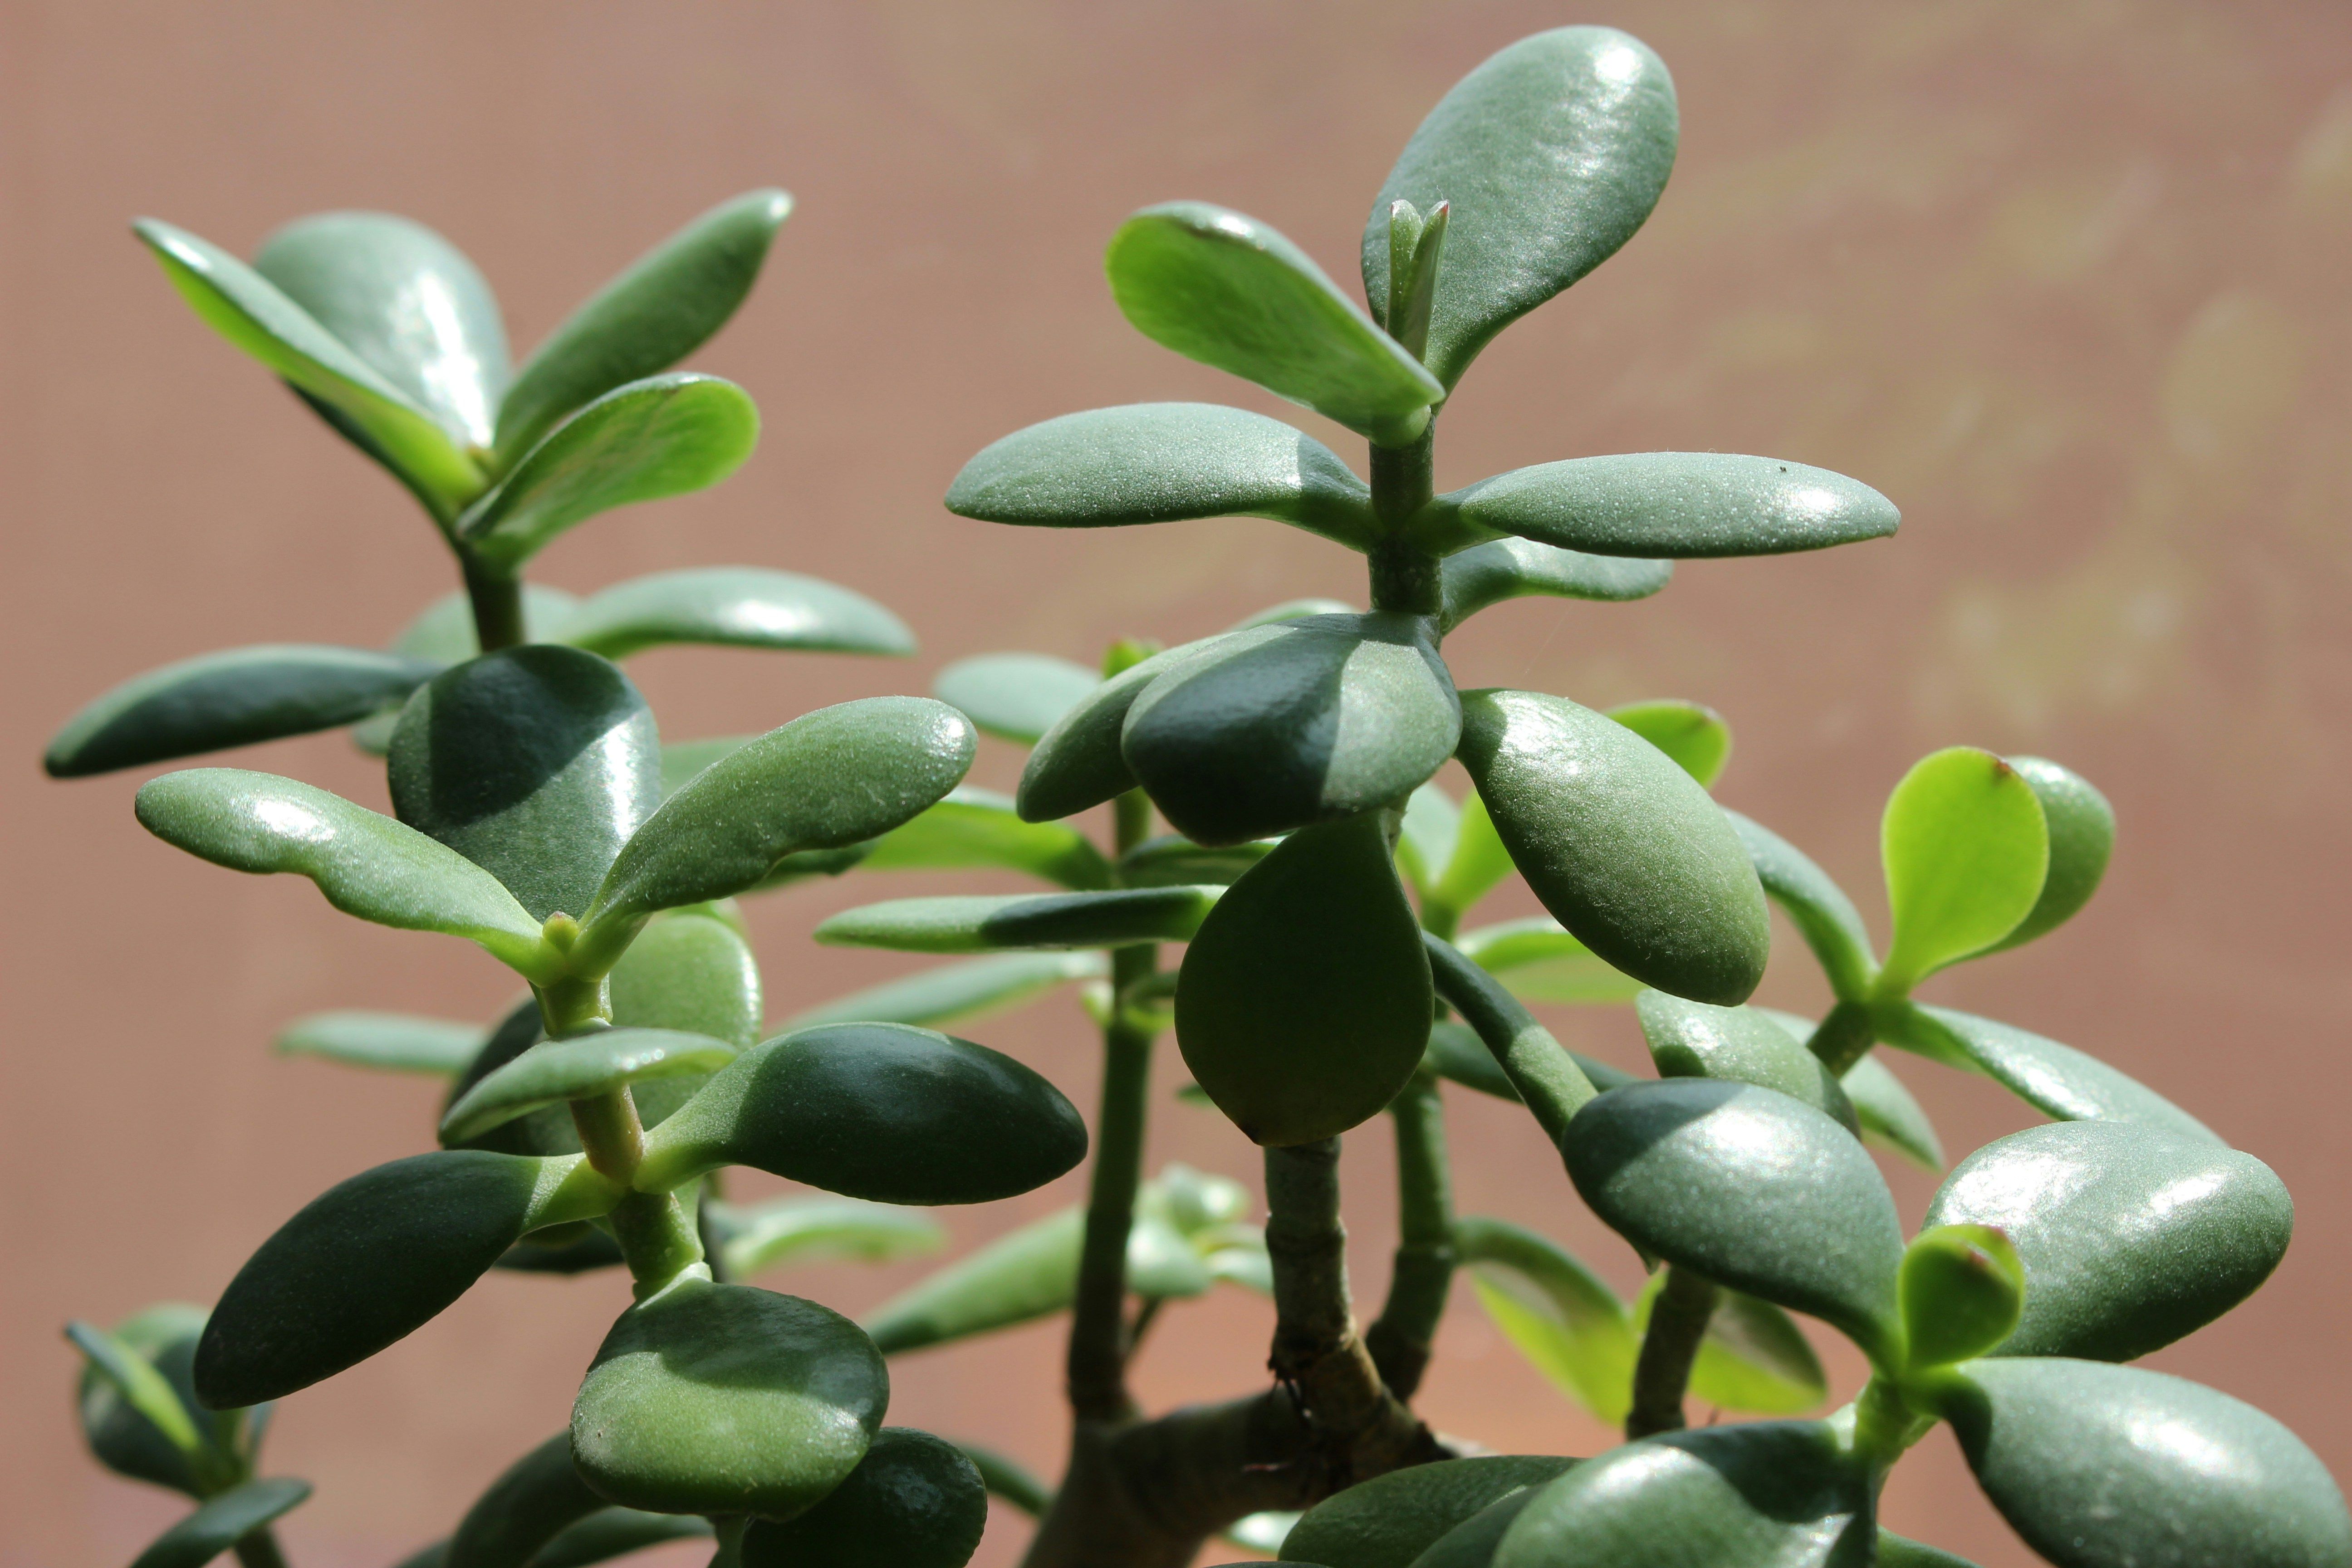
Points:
point(2131, 1236)
point(726, 1399)
point(1484, 574)
point(692, 972)
point(220, 1523)
point(991, 925)
point(578, 1069)
point(1078, 762)
point(2057, 1080)
point(535, 1500)
point(1425, 840)
point(1568, 1323)
point(1694, 736)
point(1891, 1116)
point(818, 1229)
point(137, 1401)
point(1014, 696)
point(2082, 836)
point(389, 1042)
point(546, 1131)
point(1961, 1288)
point(1173, 860)
point(1824, 916)
point(1389, 1520)
point(1737, 1044)
point(1674, 505)
point(949, 993)
point(1305, 998)
point(914, 1501)
point(979, 828)
point(1624, 848)
point(1966, 850)
point(733, 607)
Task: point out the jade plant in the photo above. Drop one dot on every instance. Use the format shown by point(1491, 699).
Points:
point(1273, 810)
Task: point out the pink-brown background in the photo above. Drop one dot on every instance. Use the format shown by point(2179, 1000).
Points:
point(2066, 278)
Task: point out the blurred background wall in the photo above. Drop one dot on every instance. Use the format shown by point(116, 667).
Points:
point(2063, 277)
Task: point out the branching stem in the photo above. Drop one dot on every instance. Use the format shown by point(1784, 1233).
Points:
point(1400, 1338)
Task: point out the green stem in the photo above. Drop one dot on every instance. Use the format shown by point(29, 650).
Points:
point(729, 1528)
point(259, 1549)
point(1400, 1338)
point(658, 1240)
point(1404, 577)
point(1678, 1320)
point(497, 600)
point(1844, 1037)
point(611, 1133)
point(1884, 1424)
point(1307, 1244)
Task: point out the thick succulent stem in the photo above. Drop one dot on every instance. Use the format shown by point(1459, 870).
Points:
point(496, 601)
point(1097, 1349)
point(1678, 1321)
point(1404, 577)
point(1401, 1337)
point(260, 1550)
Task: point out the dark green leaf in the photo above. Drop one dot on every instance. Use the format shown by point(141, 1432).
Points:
point(1077, 764)
point(1015, 696)
point(2111, 1467)
point(1470, 580)
point(405, 300)
point(138, 1405)
point(661, 436)
point(1569, 1325)
point(979, 828)
point(874, 1110)
point(1694, 736)
point(391, 1042)
point(1305, 999)
point(819, 1229)
point(949, 993)
point(983, 924)
point(1173, 860)
point(2057, 1080)
point(1825, 917)
point(647, 319)
point(220, 1523)
point(1751, 1189)
point(1737, 1044)
point(1299, 722)
point(581, 1067)
point(548, 1132)
point(914, 1501)
point(1966, 850)
point(1770, 1494)
point(367, 865)
point(1623, 847)
point(231, 699)
point(536, 764)
point(537, 1499)
point(2131, 1236)
point(1473, 1542)
point(375, 1257)
point(1006, 1478)
point(726, 1399)
point(1551, 154)
point(733, 607)
point(1227, 289)
point(1539, 962)
point(1163, 462)
point(1678, 505)
point(1548, 1080)
point(1389, 1520)
point(610, 1532)
point(2082, 836)
point(1961, 1288)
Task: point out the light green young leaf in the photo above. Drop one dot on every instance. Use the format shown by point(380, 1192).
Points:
point(199, 1452)
point(578, 1069)
point(1228, 290)
point(822, 1230)
point(140, 1386)
point(389, 1042)
point(733, 607)
point(1825, 917)
point(1696, 736)
point(1966, 849)
point(1485, 574)
point(955, 992)
point(1014, 696)
point(973, 828)
point(1431, 822)
point(1569, 1325)
point(1478, 862)
point(222, 1522)
point(997, 924)
point(1539, 962)
point(2057, 1080)
point(2082, 836)
point(1961, 1288)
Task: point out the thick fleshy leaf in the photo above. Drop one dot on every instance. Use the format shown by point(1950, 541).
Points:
point(1163, 462)
point(1671, 505)
point(1305, 998)
point(2057, 1080)
point(1547, 1079)
point(949, 993)
point(1551, 154)
point(1966, 849)
point(1962, 1285)
point(825, 781)
point(1479, 861)
point(547, 1132)
point(610, 1532)
point(1391, 1520)
point(1173, 860)
point(726, 1399)
point(367, 864)
point(2111, 1467)
point(1737, 1044)
point(375, 1257)
point(1014, 696)
point(1891, 1116)
point(1228, 290)
point(1748, 1188)
point(988, 924)
point(885, 1111)
point(1007, 1479)
point(1426, 838)
point(1569, 1325)
point(1624, 848)
point(220, 1523)
point(661, 436)
point(230, 699)
point(819, 1229)
point(2082, 836)
point(1539, 962)
point(1824, 916)
point(693, 972)
point(914, 1501)
point(1078, 762)
point(1294, 610)
point(979, 828)
point(1470, 580)
point(137, 1401)
point(536, 764)
point(1290, 724)
point(253, 313)
point(389, 1042)
point(1899, 1551)
point(2131, 1237)
point(1696, 736)
point(1753, 1356)
point(535, 1500)
point(733, 607)
point(581, 1067)
point(405, 300)
point(1770, 1494)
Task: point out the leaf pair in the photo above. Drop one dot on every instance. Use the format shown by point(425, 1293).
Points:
point(137, 1401)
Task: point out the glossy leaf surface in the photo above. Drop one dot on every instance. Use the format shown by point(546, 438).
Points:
point(1551, 153)
point(952, 992)
point(1539, 962)
point(1770, 1494)
point(1305, 998)
point(1568, 1323)
point(1748, 1188)
point(973, 828)
point(914, 1501)
point(647, 319)
point(2131, 1236)
point(1737, 1044)
point(1624, 848)
point(884, 1111)
point(222, 1522)
point(389, 1042)
point(2057, 1080)
point(2111, 1467)
point(1672, 505)
point(1824, 916)
point(1230, 292)
point(367, 864)
point(1961, 1288)
point(726, 1399)
point(661, 436)
point(1965, 850)
point(1473, 1542)
point(2082, 836)
point(694, 972)
point(827, 780)
point(1163, 462)
point(580, 1068)
point(535, 1500)
point(1389, 1520)
point(819, 1229)
point(1077, 764)
point(231, 699)
point(733, 607)
point(405, 300)
point(1014, 696)
point(957, 923)
point(1484, 574)
point(536, 763)
point(1693, 734)
point(1300, 722)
